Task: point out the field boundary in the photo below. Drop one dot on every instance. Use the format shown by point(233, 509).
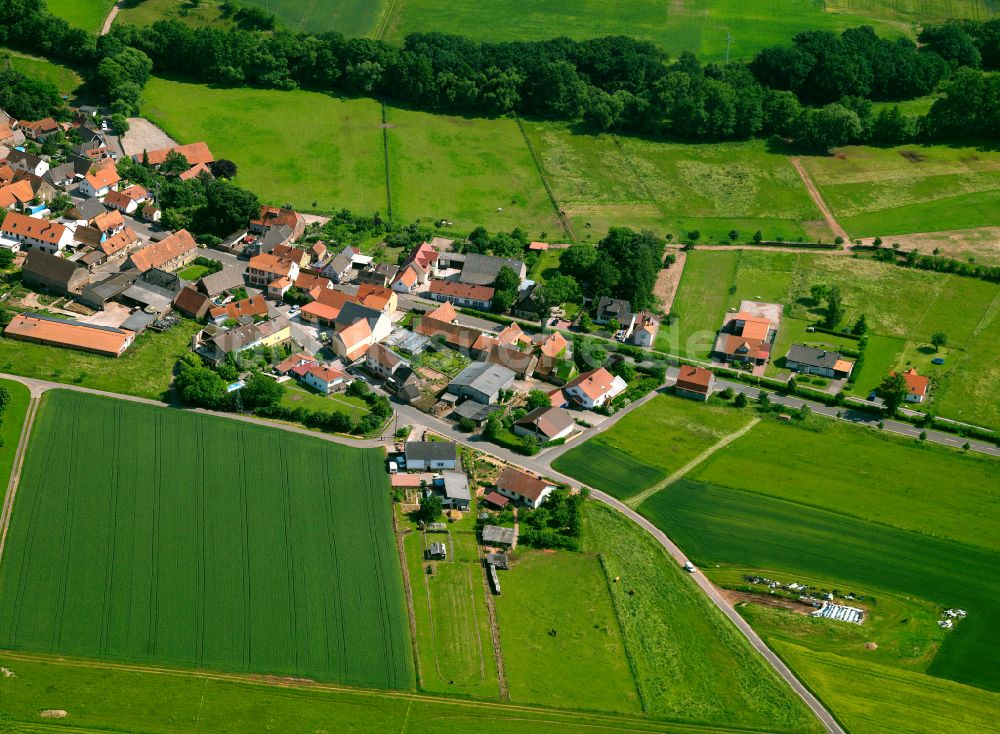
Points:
point(563, 219)
point(408, 593)
point(637, 499)
point(385, 158)
point(382, 24)
point(15, 472)
point(621, 630)
point(819, 201)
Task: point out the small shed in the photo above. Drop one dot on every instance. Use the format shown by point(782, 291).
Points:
point(437, 551)
point(495, 535)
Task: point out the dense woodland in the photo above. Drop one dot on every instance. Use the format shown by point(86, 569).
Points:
point(817, 90)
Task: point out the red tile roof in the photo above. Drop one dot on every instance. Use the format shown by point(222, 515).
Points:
point(193, 152)
point(694, 379)
point(160, 253)
point(16, 223)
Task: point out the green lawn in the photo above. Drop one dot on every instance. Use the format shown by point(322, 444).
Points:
point(193, 272)
point(562, 644)
point(914, 188)
point(169, 550)
point(466, 170)
point(336, 160)
point(146, 369)
point(875, 477)
point(147, 12)
point(65, 79)
point(167, 702)
point(11, 422)
point(86, 14)
point(648, 444)
point(690, 662)
point(674, 188)
point(700, 303)
point(297, 396)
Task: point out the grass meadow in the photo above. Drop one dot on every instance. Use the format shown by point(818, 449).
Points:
point(700, 303)
point(11, 421)
point(913, 188)
point(649, 443)
point(690, 663)
point(147, 12)
point(336, 160)
point(171, 702)
point(145, 370)
point(65, 79)
point(200, 542)
point(561, 642)
point(86, 14)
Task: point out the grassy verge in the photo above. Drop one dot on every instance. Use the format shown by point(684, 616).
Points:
point(11, 421)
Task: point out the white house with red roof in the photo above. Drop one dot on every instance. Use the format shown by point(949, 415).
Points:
point(916, 386)
point(324, 378)
point(100, 182)
point(594, 389)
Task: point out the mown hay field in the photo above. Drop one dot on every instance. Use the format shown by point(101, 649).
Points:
point(86, 14)
point(164, 537)
point(649, 443)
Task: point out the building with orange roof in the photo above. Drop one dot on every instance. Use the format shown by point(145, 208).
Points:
point(253, 307)
point(326, 307)
point(109, 222)
point(551, 345)
point(462, 294)
point(99, 182)
point(747, 336)
point(171, 253)
point(644, 331)
point(594, 389)
point(266, 267)
point(16, 195)
point(358, 327)
point(272, 216)
point(120, 202)
point(136, 193)
point(445, 312)
point(693, 382)
point(69, 334)
point(917, 385)
point(194, 171)
point(324, 378)
point(40, 129)
point(21, 231)
point(377, 297)
point(194, 153)
point(117, 245)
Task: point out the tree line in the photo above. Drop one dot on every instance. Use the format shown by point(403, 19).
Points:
point(816, 90)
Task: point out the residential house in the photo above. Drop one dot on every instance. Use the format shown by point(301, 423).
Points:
point(193, 153)
point(119, 201)
point(813, 361)
point(277, 289)
point(482, 382)
point(271, 216)
point(100, 183)
point(546, 424)
point(339, 269)
point(215, 345)
point(522, 364)
point(17, 195)
point(151, 213)
point(249, 308)
point(483, 269)
point(377, 297)
point(616, 309)
point(193, 304)
point(291, 252)
point(54, 273)
point(109, 223)
point(382, 274)
point(265, 268)
point(274, 238)
point(19, 160)
point(513, 335)
point(61, 176)
point(523, 488)
point(916, 385)
point(21, 231)
point(42, 329)
point(87, 211)
point(430, 455)
point(170, 253)
point(274, 331)
point(317, 250)
point(696, 383)
point(214, 284)
point(324, 379)
point(325, 307)
point(358, 327)
point(198, 169)
point(525, 304)
point(136, 193)
point(645, 329)
point(290, 364)
point(425, 257)
point(312, 284)
point(40, 129)
point(462, 294)
point(745, 338)
point(594, 389)
point(411, 279)
point(453, 486)
point(382, 361)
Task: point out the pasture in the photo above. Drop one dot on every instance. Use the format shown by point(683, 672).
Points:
point(145, 370)
point(350, 17)
point(700, 303)
point(336, 160)
point(65, 79)
point(173, 702)
point(893, 699)
point(86, 14)
point(454, 645)
point(178, 539)
point(912, 188)
point(648, 444)
point(734, 528)
point(470, 171)
point(147, 12)
point(561, 642)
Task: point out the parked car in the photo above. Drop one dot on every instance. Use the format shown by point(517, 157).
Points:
point(689, 567)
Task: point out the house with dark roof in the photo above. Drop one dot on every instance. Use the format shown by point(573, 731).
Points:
point(192, 303)
point(814, 361)
point(523, 488)
point(696, 383)
point(430, 455)
point(482, 382)
point(339, 269)
point(54, 273)
point(87, 210)
point(496, 535)
point(483, 269)
point(453, 487)
point(19, 160)
point(616, 309)
point(227, 279)
point(545, 424)
point(382, 361)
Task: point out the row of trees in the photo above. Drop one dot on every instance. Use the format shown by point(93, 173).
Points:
point(623, 265)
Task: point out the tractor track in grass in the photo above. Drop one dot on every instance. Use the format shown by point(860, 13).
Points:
point(820, 202)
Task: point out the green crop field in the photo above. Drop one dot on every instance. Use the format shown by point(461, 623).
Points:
point(291, 147)
point(709, 673)
point(466, 170)
point(700, 303)
point(835, 466)
point(86, 14)
point(11, 421)
point(648, 444)
point(561, 642)
point(146, 369)
point(65, 79)
point(605, 180)
point(100, 699)
point(179, 539)
point(913, 188)
point(893, 700)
